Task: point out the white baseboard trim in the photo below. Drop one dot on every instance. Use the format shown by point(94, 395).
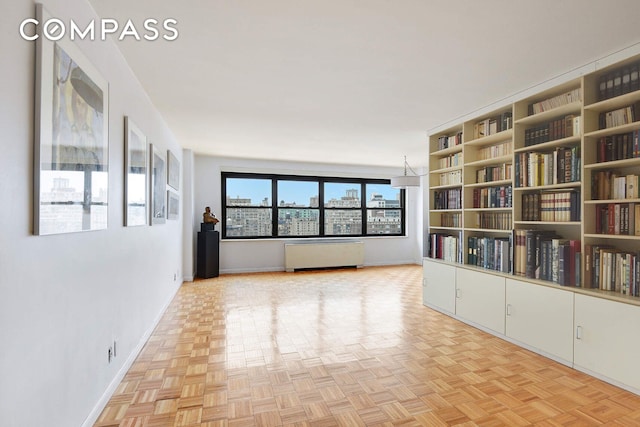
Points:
point(251, 270)
point(188, 278)
point(387, 263)
point(279, 269)
point(117, 379)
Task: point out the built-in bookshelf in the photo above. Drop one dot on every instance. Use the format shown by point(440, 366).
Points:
point(610, 184)
point(546, 188)
point(543, 248)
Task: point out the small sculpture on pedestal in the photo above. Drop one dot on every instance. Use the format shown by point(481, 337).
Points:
point(209, 220)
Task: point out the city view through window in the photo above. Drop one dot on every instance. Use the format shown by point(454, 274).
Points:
point(270, 206)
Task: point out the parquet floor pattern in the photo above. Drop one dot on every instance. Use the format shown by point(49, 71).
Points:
point(343, 348)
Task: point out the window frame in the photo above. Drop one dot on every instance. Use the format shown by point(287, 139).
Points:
point(321, 180)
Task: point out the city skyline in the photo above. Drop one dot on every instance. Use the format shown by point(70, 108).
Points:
point(300, 192)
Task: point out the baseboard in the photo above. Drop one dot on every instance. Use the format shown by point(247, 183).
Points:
point(188, 278)
point(607, 379)
point(117, 379)
point(251, 270)
point(387, 263)
point(279, 269)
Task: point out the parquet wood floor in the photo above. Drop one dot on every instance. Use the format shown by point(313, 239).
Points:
point(343, 348)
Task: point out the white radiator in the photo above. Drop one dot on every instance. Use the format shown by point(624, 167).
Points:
point(320, 255)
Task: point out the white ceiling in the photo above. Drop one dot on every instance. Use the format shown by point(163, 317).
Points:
point(353, 81)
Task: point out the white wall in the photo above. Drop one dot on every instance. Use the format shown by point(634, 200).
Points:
point(268, 255)
point(65, 298)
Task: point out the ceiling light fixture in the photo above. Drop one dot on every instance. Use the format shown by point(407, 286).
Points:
point(405, 180)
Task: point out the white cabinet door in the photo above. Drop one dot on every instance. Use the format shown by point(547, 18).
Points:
point(439, 285)
point(540, 317)
point(480, 298)
point(606, 339)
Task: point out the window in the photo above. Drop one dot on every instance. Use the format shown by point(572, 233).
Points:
point(249, 208)
point(343, 209)
point(384, 213)
point(298, 213)
point(266, 206)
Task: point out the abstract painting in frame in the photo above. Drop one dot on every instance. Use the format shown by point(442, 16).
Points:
point(173, 171)
point(173, 205)
point(136, 178)
point(158, 186)
point(71, 153)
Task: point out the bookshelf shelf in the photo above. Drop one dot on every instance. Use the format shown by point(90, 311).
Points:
point(614, 103)
point(489, 183)
point(447, 228)
point(491, 161)
point(612, 236)
point(573, 108)
point(572, 223)
point(444, 187)
point(613, 130)
point(445, 210)
point(447, 151)
point(502, 136)
point(607, 201)
point(546, 146)
point(488, 209)
point(488, 230)
point(614, 164)
point(444, 170)
point(549, 187)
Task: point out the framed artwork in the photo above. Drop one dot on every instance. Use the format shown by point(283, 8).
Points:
point(173, 171)
point(158, 186)
point(136, 192)
point(173, 205)
point(71, 152)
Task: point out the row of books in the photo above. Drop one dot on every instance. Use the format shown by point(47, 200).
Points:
point(610, 269)
point(566, 98)
point(619, 117)
point(494, 220)
point(562, 127)
point(450, 161)
point(619, 81)
point(493, 197)
point(445, 142)
point(551, 206)
point(494, 173)
point(445, 247)
point(618, 218)
point(546, 256)
point(619, 147)
point(451, 219)
point(557, 167)
point(451, 178)
point(448, 199)
point(606, 185)
point(492, 125)
point(494, 151)
point(492, 253)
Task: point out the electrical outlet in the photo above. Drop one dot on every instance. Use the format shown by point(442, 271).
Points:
point(175, 276)
point(114, 348)
point(109, 354)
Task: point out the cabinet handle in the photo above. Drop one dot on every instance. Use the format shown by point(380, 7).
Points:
point(579, 332)
point(508, 309)
point(457, 292)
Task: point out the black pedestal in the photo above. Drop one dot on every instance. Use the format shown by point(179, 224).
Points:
point(208, 260)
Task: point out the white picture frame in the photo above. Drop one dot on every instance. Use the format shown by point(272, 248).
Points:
point(173, 171)
point(158, 171)
point(71, 144)
point(136, 175)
